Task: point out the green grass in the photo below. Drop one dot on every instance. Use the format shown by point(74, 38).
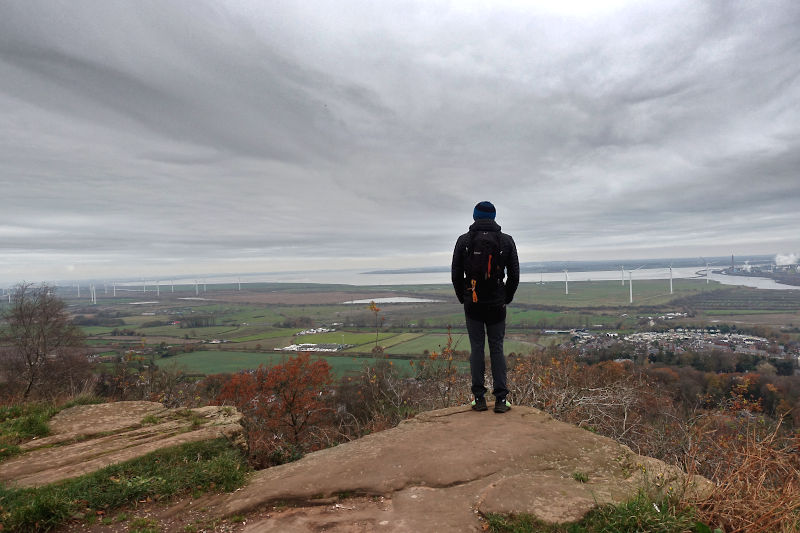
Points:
point(23, 422)
point(143, 525)
point(9, 450)
point(744, 298)
point(400, 339)
point(537, 318)
point(580, 477)
point(213, 362)
point(19, 423)
point(98, 330)
point(431, 342)
point(270, 334)
point(418, 343)
point(343, 337)
point(190, 468)
point(83, 400)
point(149, 420)
point(640, 514)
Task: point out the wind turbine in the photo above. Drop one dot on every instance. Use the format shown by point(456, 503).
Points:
point(196, 288)
point(566, 282)
point(622, 278)
point(670, 278)
point(630, 282)
point(707, 269)
point(158, 288)
point(240, 283)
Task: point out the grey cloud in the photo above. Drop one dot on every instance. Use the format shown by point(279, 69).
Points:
point(216, 130)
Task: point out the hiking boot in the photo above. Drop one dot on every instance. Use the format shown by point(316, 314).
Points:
point(501, 406)
point(479, 404)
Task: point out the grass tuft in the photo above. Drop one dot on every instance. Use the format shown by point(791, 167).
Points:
point(191, 468)
point(580, 477)
point(87, 399)
point(23, 422)
point(149, 420)
point(641, 513)
point(8, 450)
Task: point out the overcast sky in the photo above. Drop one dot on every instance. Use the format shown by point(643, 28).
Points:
point(157, 138)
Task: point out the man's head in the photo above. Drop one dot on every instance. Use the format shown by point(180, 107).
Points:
point(484, 210)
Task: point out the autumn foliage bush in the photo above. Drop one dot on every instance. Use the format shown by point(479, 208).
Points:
point(286, 408)
point(754, 462)
point(722, 433)
point(607, 398)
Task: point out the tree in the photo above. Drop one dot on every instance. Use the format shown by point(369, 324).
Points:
point(39, 335)
point(282, 405)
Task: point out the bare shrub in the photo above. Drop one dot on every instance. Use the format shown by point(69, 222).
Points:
point(756, 472)
point(440, 384)
point(608, 398)
point(375, 399)
point(42, 343)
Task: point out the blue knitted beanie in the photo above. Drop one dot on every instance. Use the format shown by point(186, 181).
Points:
point(484, 210)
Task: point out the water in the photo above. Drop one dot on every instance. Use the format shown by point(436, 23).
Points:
point(355, 277)
point(393, 300)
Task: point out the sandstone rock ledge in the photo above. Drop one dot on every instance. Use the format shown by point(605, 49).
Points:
point(438, 471)
point(89, 437)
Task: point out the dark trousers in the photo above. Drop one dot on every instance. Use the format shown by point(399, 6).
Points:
point(478, 330)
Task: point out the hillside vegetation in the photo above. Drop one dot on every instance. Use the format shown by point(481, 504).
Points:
point(695, 409)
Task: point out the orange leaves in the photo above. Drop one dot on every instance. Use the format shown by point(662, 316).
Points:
point(286, 400)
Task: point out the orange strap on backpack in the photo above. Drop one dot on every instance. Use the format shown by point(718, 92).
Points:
point(474, 294)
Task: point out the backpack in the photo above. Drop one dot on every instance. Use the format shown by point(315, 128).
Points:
point(484, 264)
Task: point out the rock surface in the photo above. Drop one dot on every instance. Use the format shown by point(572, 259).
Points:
point(89, 437)
point(439, 471)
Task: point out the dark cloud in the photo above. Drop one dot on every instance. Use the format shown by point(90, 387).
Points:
point(200, 135)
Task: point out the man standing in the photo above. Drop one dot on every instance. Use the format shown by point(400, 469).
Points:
point(482, 258)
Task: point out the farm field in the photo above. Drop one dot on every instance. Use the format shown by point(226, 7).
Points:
point(214, 362)
point(263, 317)
point(430, 342)
point(359, 340)
point(610, 293)
point(745, 298)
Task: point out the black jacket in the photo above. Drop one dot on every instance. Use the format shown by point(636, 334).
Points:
point(504, 292)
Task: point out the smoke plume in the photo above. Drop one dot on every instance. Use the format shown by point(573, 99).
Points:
point(783, 260)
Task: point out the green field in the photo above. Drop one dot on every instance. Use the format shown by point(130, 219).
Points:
point(745, 299)
point(270, 334)
point(609, 293)
point(412, 329)
point(214, 362)
point(96, 330)
point(431, 342)
point(359, 340)
point(733, 312)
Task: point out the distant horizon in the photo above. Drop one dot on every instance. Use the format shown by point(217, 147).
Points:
point(525, 267)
